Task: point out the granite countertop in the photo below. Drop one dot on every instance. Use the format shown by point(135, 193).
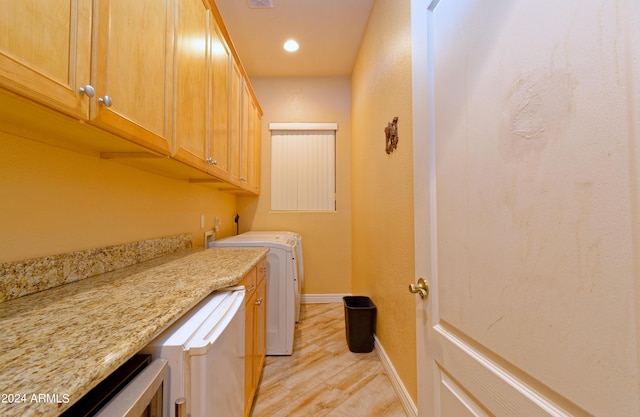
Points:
point(57, 344)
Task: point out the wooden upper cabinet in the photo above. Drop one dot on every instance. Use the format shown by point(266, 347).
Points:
point(220, 62)
point(235, 122)
point(132, 70)
point(117, 73)
point(201, 90)
point(250, 132)
point(45, 49)
point(244, 134)
point(192, 84)
point(254, 151)
point(161, 74)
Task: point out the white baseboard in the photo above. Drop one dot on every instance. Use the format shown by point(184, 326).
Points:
point(321, 298)
point(407, 402)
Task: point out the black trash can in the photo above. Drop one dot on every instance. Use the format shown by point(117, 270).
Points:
point(360, 323)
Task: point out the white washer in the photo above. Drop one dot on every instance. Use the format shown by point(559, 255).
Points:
point(283, 292)
point(284, 234)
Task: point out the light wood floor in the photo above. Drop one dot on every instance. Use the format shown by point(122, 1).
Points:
point(322, 377)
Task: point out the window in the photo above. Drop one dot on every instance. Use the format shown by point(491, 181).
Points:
point(303, 166)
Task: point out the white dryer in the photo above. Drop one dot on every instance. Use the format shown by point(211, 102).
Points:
point(284, 234)
point(283, 292)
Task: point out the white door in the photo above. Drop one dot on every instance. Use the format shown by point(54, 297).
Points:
point(528, 209)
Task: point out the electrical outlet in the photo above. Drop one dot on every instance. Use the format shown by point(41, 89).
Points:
point(216, 227)
point(202, 221)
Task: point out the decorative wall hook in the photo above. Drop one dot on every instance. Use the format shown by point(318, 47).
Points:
point(391, 133)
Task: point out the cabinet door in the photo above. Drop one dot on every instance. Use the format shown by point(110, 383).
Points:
point(258, 150)
point(244, 134)
point(260, 341)
point(253, 151)
point(132, 70)
point(192, 84)
point(45, 51)
point(249, 340)
point(235, 101)
point(220, 61)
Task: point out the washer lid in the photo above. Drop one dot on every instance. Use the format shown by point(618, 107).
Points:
point(267, 241)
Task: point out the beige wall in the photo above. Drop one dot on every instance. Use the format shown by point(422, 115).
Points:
point(56, 201)
point(383, 250)
point(326, 235)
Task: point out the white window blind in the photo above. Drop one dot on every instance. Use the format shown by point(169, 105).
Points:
point(303, 167)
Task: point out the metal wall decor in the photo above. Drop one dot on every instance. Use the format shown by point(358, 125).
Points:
point(391, 133)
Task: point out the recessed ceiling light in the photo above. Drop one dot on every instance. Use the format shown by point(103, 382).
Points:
point(291, 45)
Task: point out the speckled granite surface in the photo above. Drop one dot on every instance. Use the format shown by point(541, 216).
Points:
point(55, 345)
point(28, 276)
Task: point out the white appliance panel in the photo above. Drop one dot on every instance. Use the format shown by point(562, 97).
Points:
point(217, 363)
point(205, 353)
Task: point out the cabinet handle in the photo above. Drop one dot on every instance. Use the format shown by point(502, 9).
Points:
point(243, 179)
point(251, 288)
point(263, 269)
point(87, 90)
point(106, 100)
point(214, 162)
point(259, 301)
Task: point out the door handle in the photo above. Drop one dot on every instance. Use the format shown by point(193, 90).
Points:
point(181, 407)
point(422, 288)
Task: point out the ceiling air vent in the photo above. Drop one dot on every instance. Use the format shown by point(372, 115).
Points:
point(261, 4)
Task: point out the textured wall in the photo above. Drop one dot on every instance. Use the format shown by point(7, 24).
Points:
point(383, 250)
